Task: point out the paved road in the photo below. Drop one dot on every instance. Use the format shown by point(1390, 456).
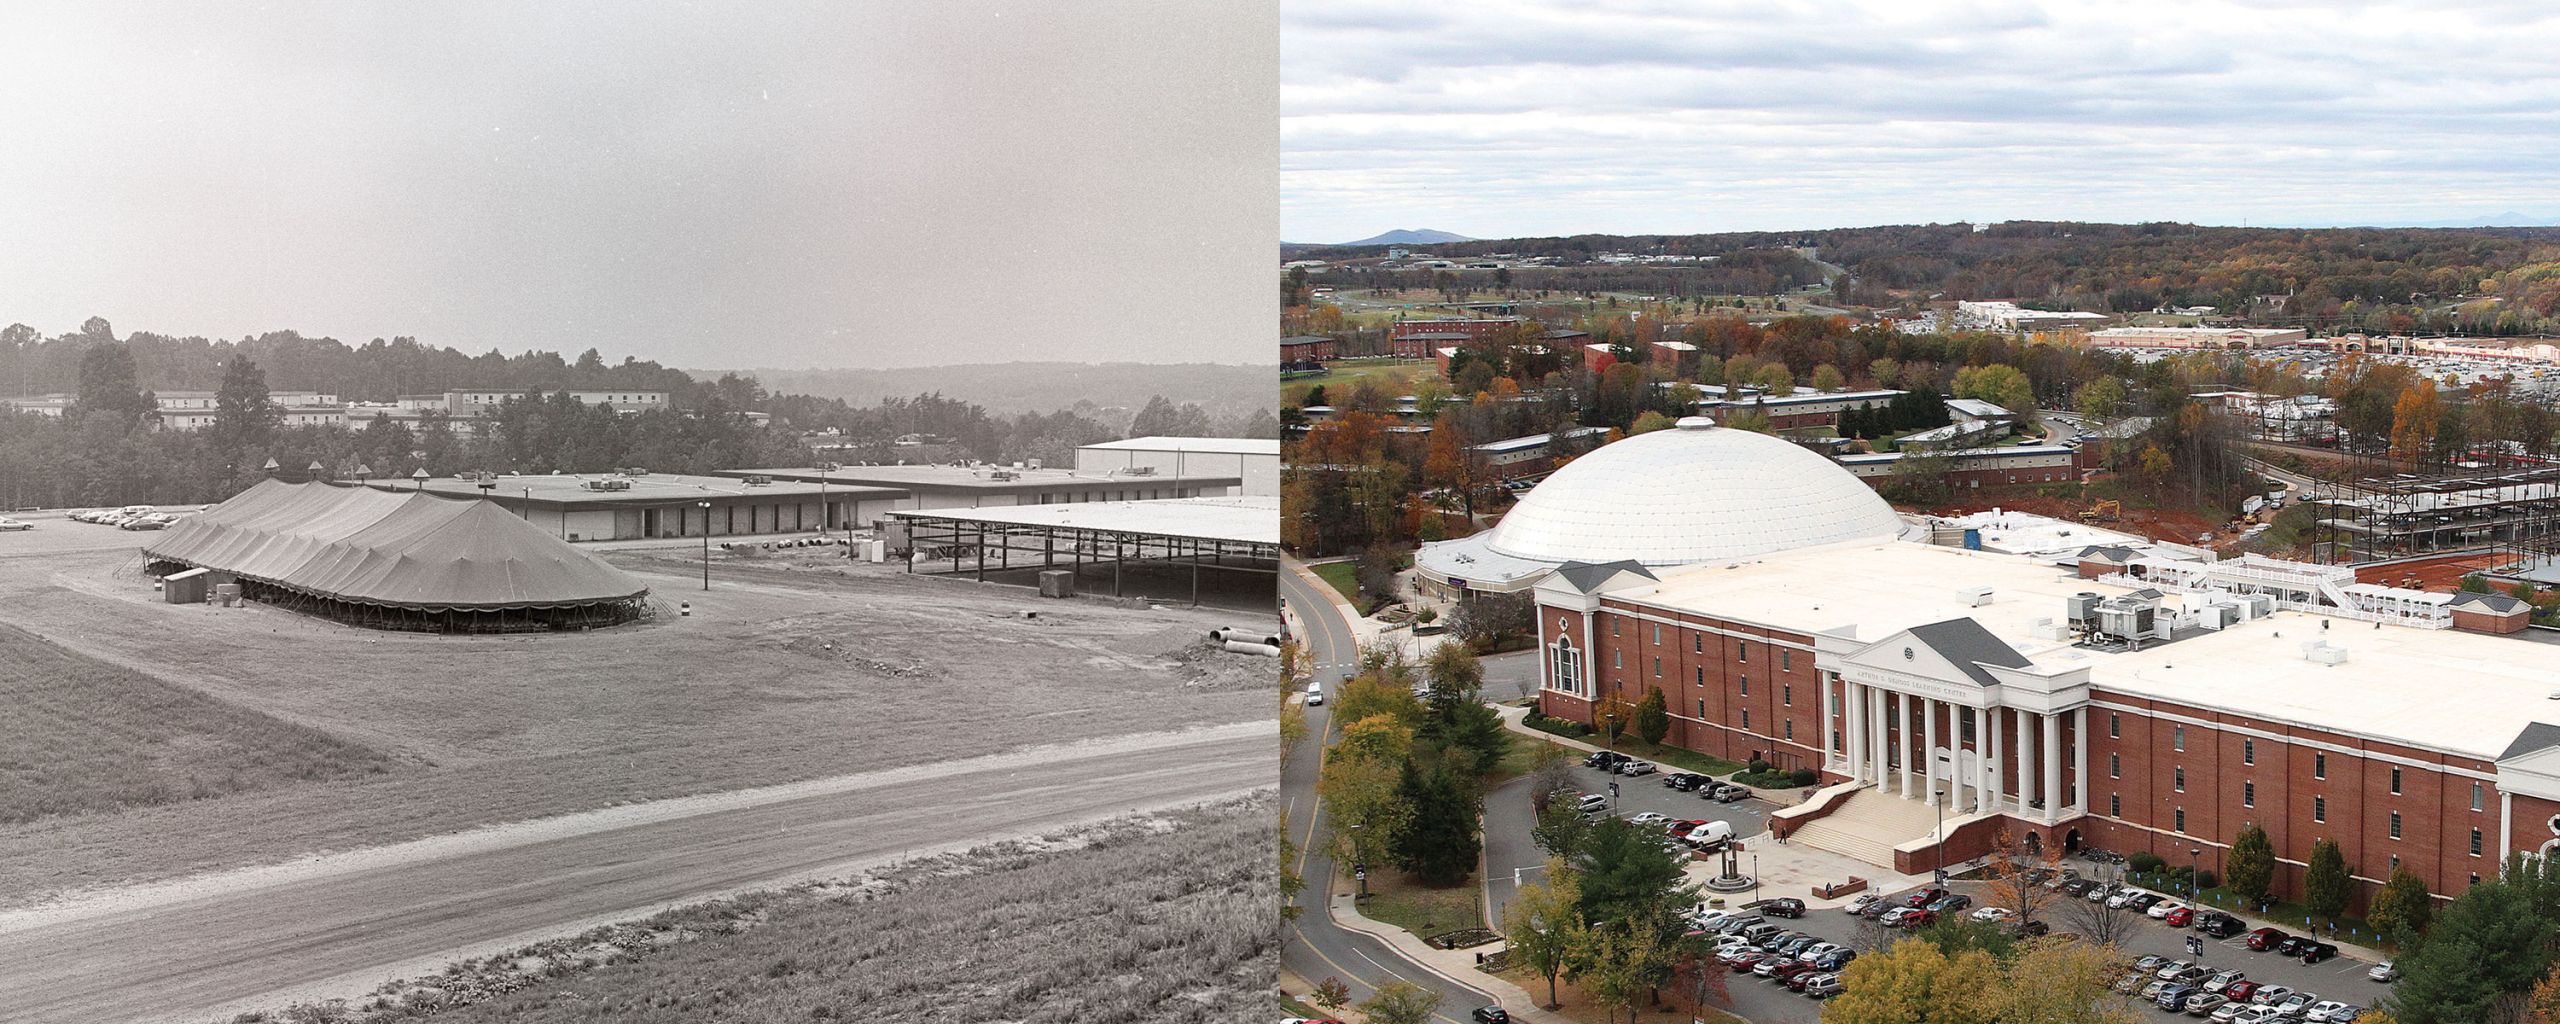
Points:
point(1511, 853)
point(1314, 948)
point(171, 953)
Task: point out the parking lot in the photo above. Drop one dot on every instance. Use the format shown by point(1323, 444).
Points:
point(2341, 979)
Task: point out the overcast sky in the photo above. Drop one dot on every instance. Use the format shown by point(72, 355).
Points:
point(1498, 119)
point(710, 185)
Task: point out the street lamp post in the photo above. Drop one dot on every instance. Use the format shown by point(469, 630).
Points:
point(2195, 885)
point(1359, 864)
point(705, 506)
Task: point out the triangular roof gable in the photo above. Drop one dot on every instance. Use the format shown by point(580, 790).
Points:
point(2536, 736)
point(1591, 577)
point(1945, 650)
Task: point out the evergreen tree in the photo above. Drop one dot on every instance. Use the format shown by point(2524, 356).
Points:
point(1653, 717)
point(2486, 950)
point(1439, 842)
point(2250, 869)
point(2324, 882)
point(1627, 874)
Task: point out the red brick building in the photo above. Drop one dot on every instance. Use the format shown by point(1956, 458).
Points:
point(1416, 339)
point(1306, 348)
point(2018, 698)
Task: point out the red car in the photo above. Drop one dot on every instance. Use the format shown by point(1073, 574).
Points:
point(1924, 897)
point(2266, 938)
point(1748, 960)
point(2180, 918)
point(2240, 991)
point(1919, 919)
point(1790, 972)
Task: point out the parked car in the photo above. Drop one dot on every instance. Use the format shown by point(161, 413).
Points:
point(1823, 987)
point(2293, 1005)
point(1877, 910)
point(2269, 995)
point(1710, 835)
point(1592, 803)
point(2218, 924)
point(2204, 1002)
point(2142, 902)
point(1815, 953)
point(2295, 945)
point(2150, 992)
point(1862, 902)
point(2030, 929)
point(1797, 981)
point(1950, 903)
point(143, 523)
point(1990, 915)
point(2242, 991)
point(1605, 760)
point(1649, 818)
point(1685, 781)
point(1726, 792)
point(2179, 918)
point(2385, 972)
point(1923, 897)
point(2265, 939)
point(1492, 1015)
point(2161, 909)
point(2248, 1014)
point(2150, 962)
point(2228, 1011)
point(2193, 975)
point(2222, 982)
point(1836, 959)
point(2173, 997)
point(2171, 970)
point(2129, 981)
point(2325, 1011)
point(2316, 952)
point(1744, 960)
point(1920, 917)
point(1893, 918)
point(1632, 769)
point(7, 523)
point(1784, 906)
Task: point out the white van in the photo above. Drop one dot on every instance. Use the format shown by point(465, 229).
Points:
point(1315, 693)
point(1710, 835)
point(1593, 803)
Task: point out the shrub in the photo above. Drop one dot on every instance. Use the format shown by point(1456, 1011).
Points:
point(2144, 863)
point(1757, 766)
point(1806, 777)
point(2206, 880)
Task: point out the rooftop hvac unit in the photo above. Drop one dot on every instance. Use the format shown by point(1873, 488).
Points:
point(1004, 474)
point(2258, 606)
point(2324, 653)
point(2081, 609)
point(1035, 463)
point(759, 480)
point(2217, 616)
point(2132, 618)
point(1141, 471)
point(1974, 597)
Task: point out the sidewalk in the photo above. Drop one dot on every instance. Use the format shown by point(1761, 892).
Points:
point(1456, 965)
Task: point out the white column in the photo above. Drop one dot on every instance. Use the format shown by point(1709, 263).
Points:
point(2052, 751)
point(1990, 759)
point(1929, 750)
point(1902, 744)
point(2080, 760)
point(2506, 823)
point(2026, 751)
point(1851, 739)
point(1875, 735)
point(1974, 781)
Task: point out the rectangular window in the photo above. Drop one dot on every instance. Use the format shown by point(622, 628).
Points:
point(2475, 843)
point(1742, 651)
point(1835, 740)
point(2475, 878)
point(1786, 661)
point(1702, 709)
point(2395, 862)
point(2319, 765)
point(2177, 737)
point(1787, 694)
point(2115, 766)
point(2395, 782)
point(1746, 686)
point(2115, 725)
point(1657, 634)
point(2248, 751)
point(2178, 779)
point(1746, 718)
point(2115, 805)
point(1702, 676)
point(2475, 796)
point(1791, 728)
point(2319, 808)
point(2181, 825)
point(2395, 824)
point(1965, 724)
point(1657, 666)
point(1617, 659)
point(2248, 794)
point(1697, 643)
point(1613, 625)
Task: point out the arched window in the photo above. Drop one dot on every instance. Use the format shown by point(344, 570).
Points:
point(1564, 667)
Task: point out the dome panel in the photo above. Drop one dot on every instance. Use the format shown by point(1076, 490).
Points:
point(1695, 493)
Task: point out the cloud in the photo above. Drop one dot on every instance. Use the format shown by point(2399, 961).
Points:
point(1513, 118)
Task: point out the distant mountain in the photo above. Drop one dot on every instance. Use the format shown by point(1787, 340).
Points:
point(2503, 219)
point(1008, 388)
point(1412, 236)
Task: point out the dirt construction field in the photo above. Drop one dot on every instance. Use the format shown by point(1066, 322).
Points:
point(785, 670)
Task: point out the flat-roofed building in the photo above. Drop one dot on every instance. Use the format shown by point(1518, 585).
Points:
point(1255, 461)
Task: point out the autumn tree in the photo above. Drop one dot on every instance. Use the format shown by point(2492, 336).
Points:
point(2010, 887)
point(2402, 903)
point(1621, 963)
point(1363, 811)
point(2414, 418)
point(2060, 981)
point(1400, 1002)
point(1543, 923)
point(2324, 881)
point(2099, 399)
point(1612, 716)
point(1649, 422)
point(1999, 384)
point(1916, 981)
point(1826, 377)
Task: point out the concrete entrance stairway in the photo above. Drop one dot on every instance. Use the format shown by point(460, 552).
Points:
point(1867, 826)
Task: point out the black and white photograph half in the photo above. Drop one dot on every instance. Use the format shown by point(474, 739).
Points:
point(638, 512)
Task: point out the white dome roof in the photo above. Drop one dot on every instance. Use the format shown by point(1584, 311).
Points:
point(1696, 493)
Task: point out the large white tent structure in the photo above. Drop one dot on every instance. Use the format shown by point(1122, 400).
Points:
point(398, 560)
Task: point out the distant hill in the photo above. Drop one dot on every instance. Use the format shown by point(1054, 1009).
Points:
point(1222, 389)
point(1412, 236)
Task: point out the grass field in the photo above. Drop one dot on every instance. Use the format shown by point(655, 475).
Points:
point(1397, 377)
point(784, 671)
point(83, 737)
point(1400, 901)
point(1343, 576)
point(1162, 921)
